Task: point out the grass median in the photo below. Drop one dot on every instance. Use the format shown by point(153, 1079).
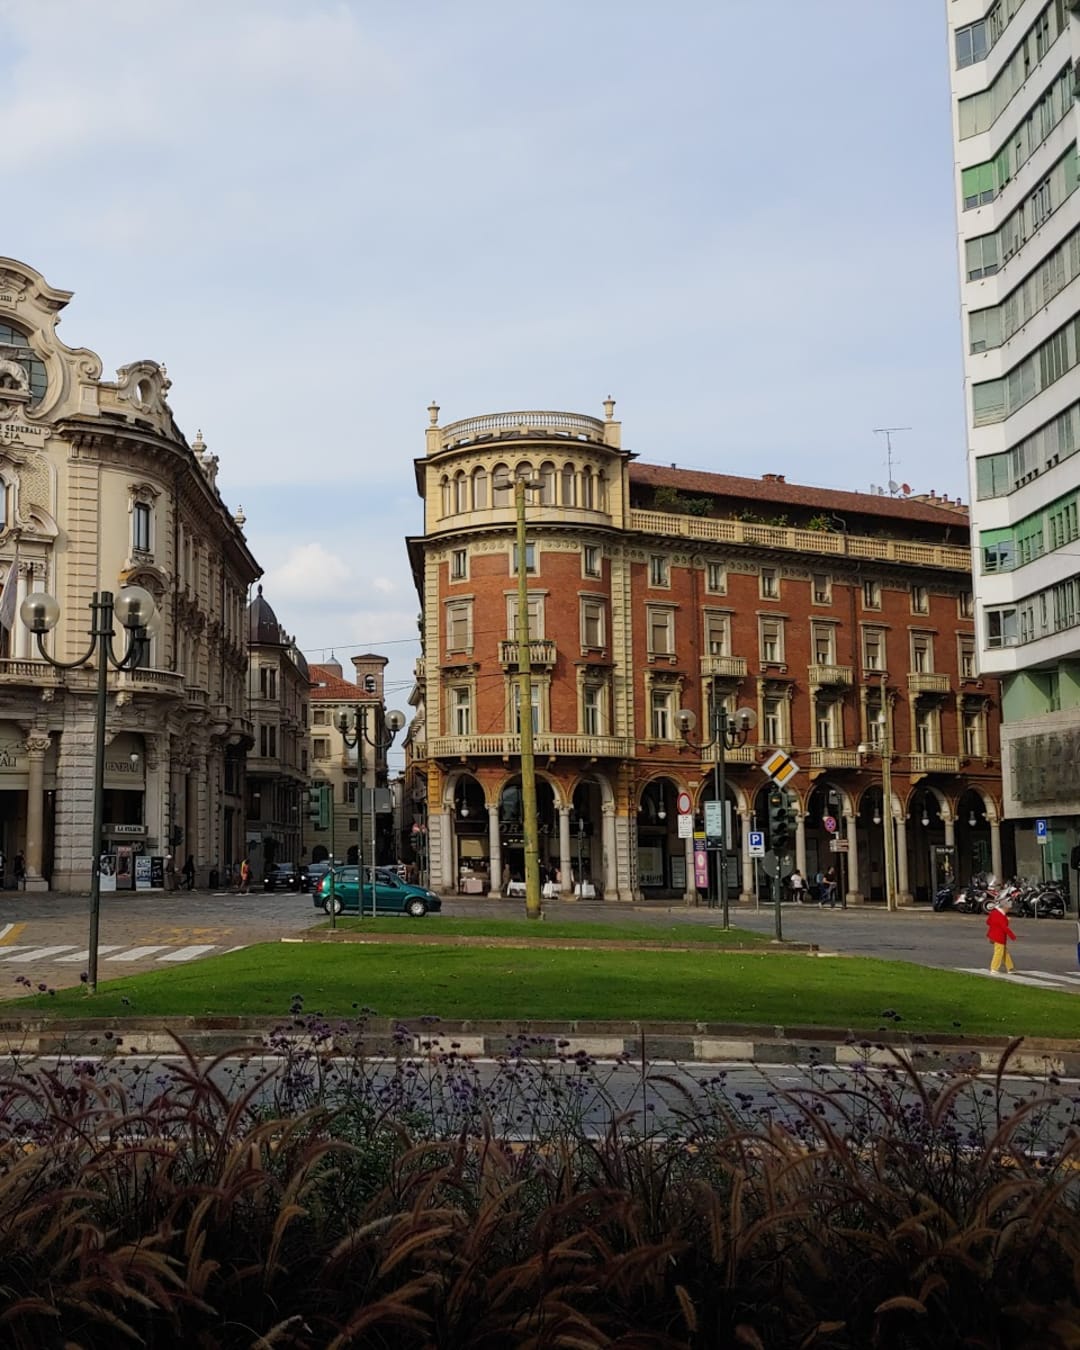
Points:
point(683, 934)
point(408, 982)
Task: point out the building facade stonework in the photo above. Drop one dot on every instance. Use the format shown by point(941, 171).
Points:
point(653, 589)
point(99, 488)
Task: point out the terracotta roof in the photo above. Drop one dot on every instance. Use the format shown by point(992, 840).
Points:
point(328, 684)
point(775, 491)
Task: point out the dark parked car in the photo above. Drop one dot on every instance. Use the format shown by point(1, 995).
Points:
point(311, 875)
point(283, 876)
point(392, 895)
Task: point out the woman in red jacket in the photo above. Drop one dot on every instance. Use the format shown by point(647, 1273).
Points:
point(1000, 934)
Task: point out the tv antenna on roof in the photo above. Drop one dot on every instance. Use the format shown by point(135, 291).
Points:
point(887, 432)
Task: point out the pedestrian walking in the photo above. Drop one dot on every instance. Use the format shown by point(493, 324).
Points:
point(796, 885)
point(1000, 934)
point(830, 889)
point(19, 868)
point(245, 876)
point(189, 873)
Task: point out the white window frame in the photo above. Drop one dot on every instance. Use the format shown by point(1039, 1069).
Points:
point(593, 608)
point(820, 594)
point(966, 657)
point(460, 709)
point(659, 571)
point(715, 578)
point(515, 707)
point(922, 642)
point(592, 561)
point(769, 583)
point(459, 564)
point(879, 636)
point(658, 617)
point(536, 610)
point(927, 729)
point(871, 594)
point(920, 599)
point(532, 559)
point(823, 644)
point(594, 708)
point(661, 713)
point(765, 623)
point(459, 612)
point(717, 635)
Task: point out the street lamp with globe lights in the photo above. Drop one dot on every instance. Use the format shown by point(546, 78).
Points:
point(392, 723)
point(135, 609)
point(883, 745)
point(728, 731)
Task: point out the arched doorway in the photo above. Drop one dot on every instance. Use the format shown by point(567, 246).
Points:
point(472, 871)
point(512, 830)
point(927, 809)
point(586, 872)
point(974, 852)
point(731, 828)
point(661, 854)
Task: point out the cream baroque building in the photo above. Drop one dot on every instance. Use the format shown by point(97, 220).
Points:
point(101, 489)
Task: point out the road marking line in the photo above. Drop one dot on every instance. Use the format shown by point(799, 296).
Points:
point(10, 932)
point(85, 955)
point(39, 953)
point(1036, 979)
point(136, 953)
point(186, 953)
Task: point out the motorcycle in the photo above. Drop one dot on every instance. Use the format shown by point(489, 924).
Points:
point(944, 899)
point(1043, 900)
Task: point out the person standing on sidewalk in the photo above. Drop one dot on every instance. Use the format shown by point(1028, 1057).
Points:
point(1000, 934)
point(796, 885)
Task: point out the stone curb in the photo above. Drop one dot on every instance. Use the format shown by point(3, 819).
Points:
point(699, 1042)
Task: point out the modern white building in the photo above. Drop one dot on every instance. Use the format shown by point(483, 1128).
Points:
point(1015, 127)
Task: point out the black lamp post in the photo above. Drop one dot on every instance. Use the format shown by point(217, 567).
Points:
point(135, 609)
point(383, 738)
point(727, 733)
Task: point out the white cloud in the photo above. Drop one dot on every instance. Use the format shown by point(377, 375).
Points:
point(384, 586)
point(309, 571)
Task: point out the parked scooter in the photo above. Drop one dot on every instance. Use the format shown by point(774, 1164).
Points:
point(944, 899)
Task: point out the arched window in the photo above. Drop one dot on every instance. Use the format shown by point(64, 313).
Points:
point(502, 487)
point(445, 487)
point(461, 491)
point(588, 496)
point(479, 489)
point(547, 483)
point(524, 471)
point(569, 486)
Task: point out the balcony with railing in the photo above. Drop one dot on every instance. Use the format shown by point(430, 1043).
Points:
point(541, 653)
point(824, 675)
point(826, 757)
point(14, 670)
point(723, 667)
point(927, 682)
point(801, 541)
point(933, 763)
point(146, 680)
point(511, 425)
point(544, 743)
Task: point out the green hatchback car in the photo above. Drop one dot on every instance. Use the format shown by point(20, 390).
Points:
point(392, 895)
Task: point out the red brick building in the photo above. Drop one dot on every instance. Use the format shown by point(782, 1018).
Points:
point(653, 589)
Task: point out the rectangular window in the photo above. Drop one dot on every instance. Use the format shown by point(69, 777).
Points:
point(661, 632)
point(977, 185)
point(268, 742)
point(770, 583)
point(873, 649)
point(516, 700)
point(592, 710)
point(973, 737)
point(875, 729)
point(967, 658)
point(981, 256)
point(772, 641)
point(459, 564)
point(821, 588)
point(590, 560)
point(871, 594)
point(320, 748)
point(926, 728)
point(530, 560)
point(660, 719)
point(659, 570)
point(267, 682)
point(348, 792)
point(592, 624)
point(459, 627)
point(1001, 627)
point(971, 44)
point(140, 527)
point(920, 600)
point(717, 634)
point(320, 718)
point(922, 653)
point(716, 578)
point(535, 607)
point(772, 721)
point(461, 710)
point(965, 605)
point(825, 723)
point(824, 645)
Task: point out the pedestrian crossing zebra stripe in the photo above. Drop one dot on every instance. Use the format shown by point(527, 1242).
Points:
point(70, 953)
point(1036, 979)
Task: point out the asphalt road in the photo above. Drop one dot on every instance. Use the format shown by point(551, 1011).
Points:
point(43, 936)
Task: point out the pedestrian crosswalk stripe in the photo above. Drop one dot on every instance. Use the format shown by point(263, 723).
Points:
point(136, 953)
point(186, 953)
point(84, 956)
point(38, 954)
point(1036, 979)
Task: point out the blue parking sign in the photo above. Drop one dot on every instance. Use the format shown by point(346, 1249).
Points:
point(1040, 831)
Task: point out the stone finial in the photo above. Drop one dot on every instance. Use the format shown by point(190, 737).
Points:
point(239, 517)
point(433, 413)
point(198, 444)
point(609, 408)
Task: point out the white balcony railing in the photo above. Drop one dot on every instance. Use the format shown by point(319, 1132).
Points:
point(723, 667)
point(821, 674)
point(541, 652)
point(927, 682)
point(544, 743)
point(935, 764)
point(825, 758)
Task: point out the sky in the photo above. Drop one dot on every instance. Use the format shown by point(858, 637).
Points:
point(736, 219)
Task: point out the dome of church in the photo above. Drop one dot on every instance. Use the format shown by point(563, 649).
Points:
point(263, 626)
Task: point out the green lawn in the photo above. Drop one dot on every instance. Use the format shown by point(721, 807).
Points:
point(672, 934)
point(408, 982)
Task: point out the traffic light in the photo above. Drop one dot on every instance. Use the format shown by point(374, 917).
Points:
point(781, 820)
point(369, 684)
point(317, 812)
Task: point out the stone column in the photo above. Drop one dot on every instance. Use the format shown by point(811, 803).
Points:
point(566, 885)
point(800, 842)
point(690, 894)
point(747, 892)
point(903, 880)
point(854, 895)
point(494, 851)
point(611, 876)
point(995, 846)
point(448, 862)
point(950, 831)
point(37, 745)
